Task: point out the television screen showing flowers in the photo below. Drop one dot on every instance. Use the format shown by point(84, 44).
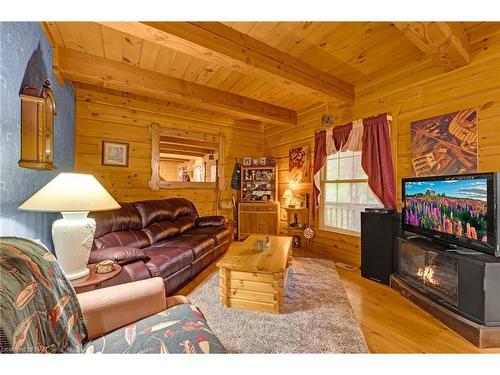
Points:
point(457, 207)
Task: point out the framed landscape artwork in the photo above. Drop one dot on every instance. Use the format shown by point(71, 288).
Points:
point(445, 144)
point(298, 165)
point(115, 154)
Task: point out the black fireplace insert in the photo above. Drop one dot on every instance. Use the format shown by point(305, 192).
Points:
point(462, 280)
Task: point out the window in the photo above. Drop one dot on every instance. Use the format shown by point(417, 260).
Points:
point(345, 192)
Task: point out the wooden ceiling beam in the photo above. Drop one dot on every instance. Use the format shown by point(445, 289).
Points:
point(85, 68)
point(447, 43)
point(217, 43)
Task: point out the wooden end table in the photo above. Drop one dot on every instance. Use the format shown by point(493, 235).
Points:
point(255, 280)
point(94, 280)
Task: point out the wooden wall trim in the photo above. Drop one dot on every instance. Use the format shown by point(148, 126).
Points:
point(154, 183)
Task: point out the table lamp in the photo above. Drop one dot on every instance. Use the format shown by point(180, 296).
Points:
point(74, 195)
point(288, 196)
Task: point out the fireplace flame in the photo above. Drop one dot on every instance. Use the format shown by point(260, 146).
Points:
point(427, 275)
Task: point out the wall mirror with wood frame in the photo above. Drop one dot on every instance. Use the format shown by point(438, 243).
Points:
point(183, 159)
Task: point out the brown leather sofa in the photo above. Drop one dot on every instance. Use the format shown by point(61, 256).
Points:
point(159, 238)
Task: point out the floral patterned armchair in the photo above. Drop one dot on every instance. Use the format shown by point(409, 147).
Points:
point(40, 312)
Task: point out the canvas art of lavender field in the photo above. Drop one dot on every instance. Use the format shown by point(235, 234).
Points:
point(457, 207)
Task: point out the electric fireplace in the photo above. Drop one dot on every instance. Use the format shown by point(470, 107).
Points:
point(464, 281)
point(431, 272)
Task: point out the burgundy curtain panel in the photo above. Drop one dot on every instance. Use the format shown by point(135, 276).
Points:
point(376, 159)
point(319, 161)
point(341, 135)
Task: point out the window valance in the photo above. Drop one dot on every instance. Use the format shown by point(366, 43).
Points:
point(369, 135)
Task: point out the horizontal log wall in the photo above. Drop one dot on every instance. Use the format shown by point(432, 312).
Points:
point(102, 116)
point(419, 93)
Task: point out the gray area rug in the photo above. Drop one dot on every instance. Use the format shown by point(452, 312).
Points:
point(317, 317)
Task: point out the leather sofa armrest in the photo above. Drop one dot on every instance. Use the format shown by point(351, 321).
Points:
point(111, 308)
point(120, 254)
point(133, 271)
point(210, 221)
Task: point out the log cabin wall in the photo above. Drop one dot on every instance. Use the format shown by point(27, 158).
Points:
point(409, 95)
point(108, 115)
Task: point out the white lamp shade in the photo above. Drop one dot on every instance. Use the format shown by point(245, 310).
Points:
point(71, 192)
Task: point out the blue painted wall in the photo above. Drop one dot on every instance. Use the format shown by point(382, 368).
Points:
point(26, 58)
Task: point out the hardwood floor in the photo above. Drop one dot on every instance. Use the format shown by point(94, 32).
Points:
point(390, 323)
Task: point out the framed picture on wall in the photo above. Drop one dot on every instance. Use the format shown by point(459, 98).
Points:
point(445, 144)
point(298, 164)
point(115, 154)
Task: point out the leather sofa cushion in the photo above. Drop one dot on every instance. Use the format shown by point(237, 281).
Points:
point(161, 231)
point(200, 244)
point(131, 238)
point(182, 207)
point(208, 221)
point(125, 218)
point(154, 210)
point(164, 261)
point(184, 223)
point(219, 234)
point(121, 255)
point(165, 210)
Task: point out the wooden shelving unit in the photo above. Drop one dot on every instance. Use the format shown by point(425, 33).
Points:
point(258, 211)
point(259, 184)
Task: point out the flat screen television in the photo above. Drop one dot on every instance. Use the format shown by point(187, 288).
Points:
point(458, 209)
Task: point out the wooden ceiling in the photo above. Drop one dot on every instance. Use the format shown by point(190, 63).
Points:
point(263, 72)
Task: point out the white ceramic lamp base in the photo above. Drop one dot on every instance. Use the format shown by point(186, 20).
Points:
point(73, 236)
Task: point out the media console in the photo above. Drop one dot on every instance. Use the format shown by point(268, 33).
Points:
point(458, 286)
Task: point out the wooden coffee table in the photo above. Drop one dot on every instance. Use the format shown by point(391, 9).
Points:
point(255, 280)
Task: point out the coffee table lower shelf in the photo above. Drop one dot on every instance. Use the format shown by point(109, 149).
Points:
point(253, 290)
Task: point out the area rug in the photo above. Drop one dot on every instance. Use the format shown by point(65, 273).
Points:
point(317, 316)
